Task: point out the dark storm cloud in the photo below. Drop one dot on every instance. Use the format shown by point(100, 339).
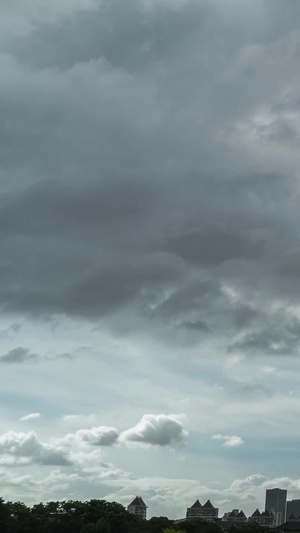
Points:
point(63, 207)
point(212, 248)
point(140, 168)
point(191, 297)
point(245, 315)
point(142, 35)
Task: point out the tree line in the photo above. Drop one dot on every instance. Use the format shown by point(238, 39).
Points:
point(94, 516)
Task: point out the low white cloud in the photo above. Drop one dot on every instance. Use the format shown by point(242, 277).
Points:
point(229, 440)
point(164, 496)
point(79, 419)
point(25, 447)
point(159, 430)
point(243, 485)
point(31, 416)
point(95, 436)
point(98, 436)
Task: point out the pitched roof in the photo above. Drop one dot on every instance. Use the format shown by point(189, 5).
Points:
point(138, 501)
point(208, 505)
point(232, 514)
point(241, 514)
point(256, 513)
point(196, 505)
point(266, 513)
point(142, 502)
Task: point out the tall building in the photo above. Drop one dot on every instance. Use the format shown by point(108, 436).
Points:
point(276, 504)
point(138, 506)
point(293, 508)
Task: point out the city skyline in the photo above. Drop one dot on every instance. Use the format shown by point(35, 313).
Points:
point(277, 510)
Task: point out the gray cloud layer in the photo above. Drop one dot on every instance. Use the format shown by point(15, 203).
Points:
point(154, 168)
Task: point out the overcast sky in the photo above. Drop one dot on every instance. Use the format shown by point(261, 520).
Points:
point(150, 251)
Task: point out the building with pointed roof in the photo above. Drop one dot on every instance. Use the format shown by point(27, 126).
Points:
point(263, 519)
point(208, 505)
point(237, 517)
point(256, 513)
point(230, 515)
point(138, 507)
point(197, 505)
point(241, 517)
point(204, 512)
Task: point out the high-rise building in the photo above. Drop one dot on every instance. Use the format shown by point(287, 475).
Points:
point(276, 504)
point(293, 508)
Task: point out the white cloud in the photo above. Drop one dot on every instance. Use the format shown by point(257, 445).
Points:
point(160, 430)
point(242, 485)
point(98, 436)
point(25, 447)
point(31, 416)
point(95, 436)
point(229, 440)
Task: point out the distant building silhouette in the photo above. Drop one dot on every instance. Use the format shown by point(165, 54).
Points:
point(293, 510)
point(205, 512)
point(276, 504)
point(293, 518)
point(265, 518)
point(236, 517)
point(288, 527)
point(138, 507)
